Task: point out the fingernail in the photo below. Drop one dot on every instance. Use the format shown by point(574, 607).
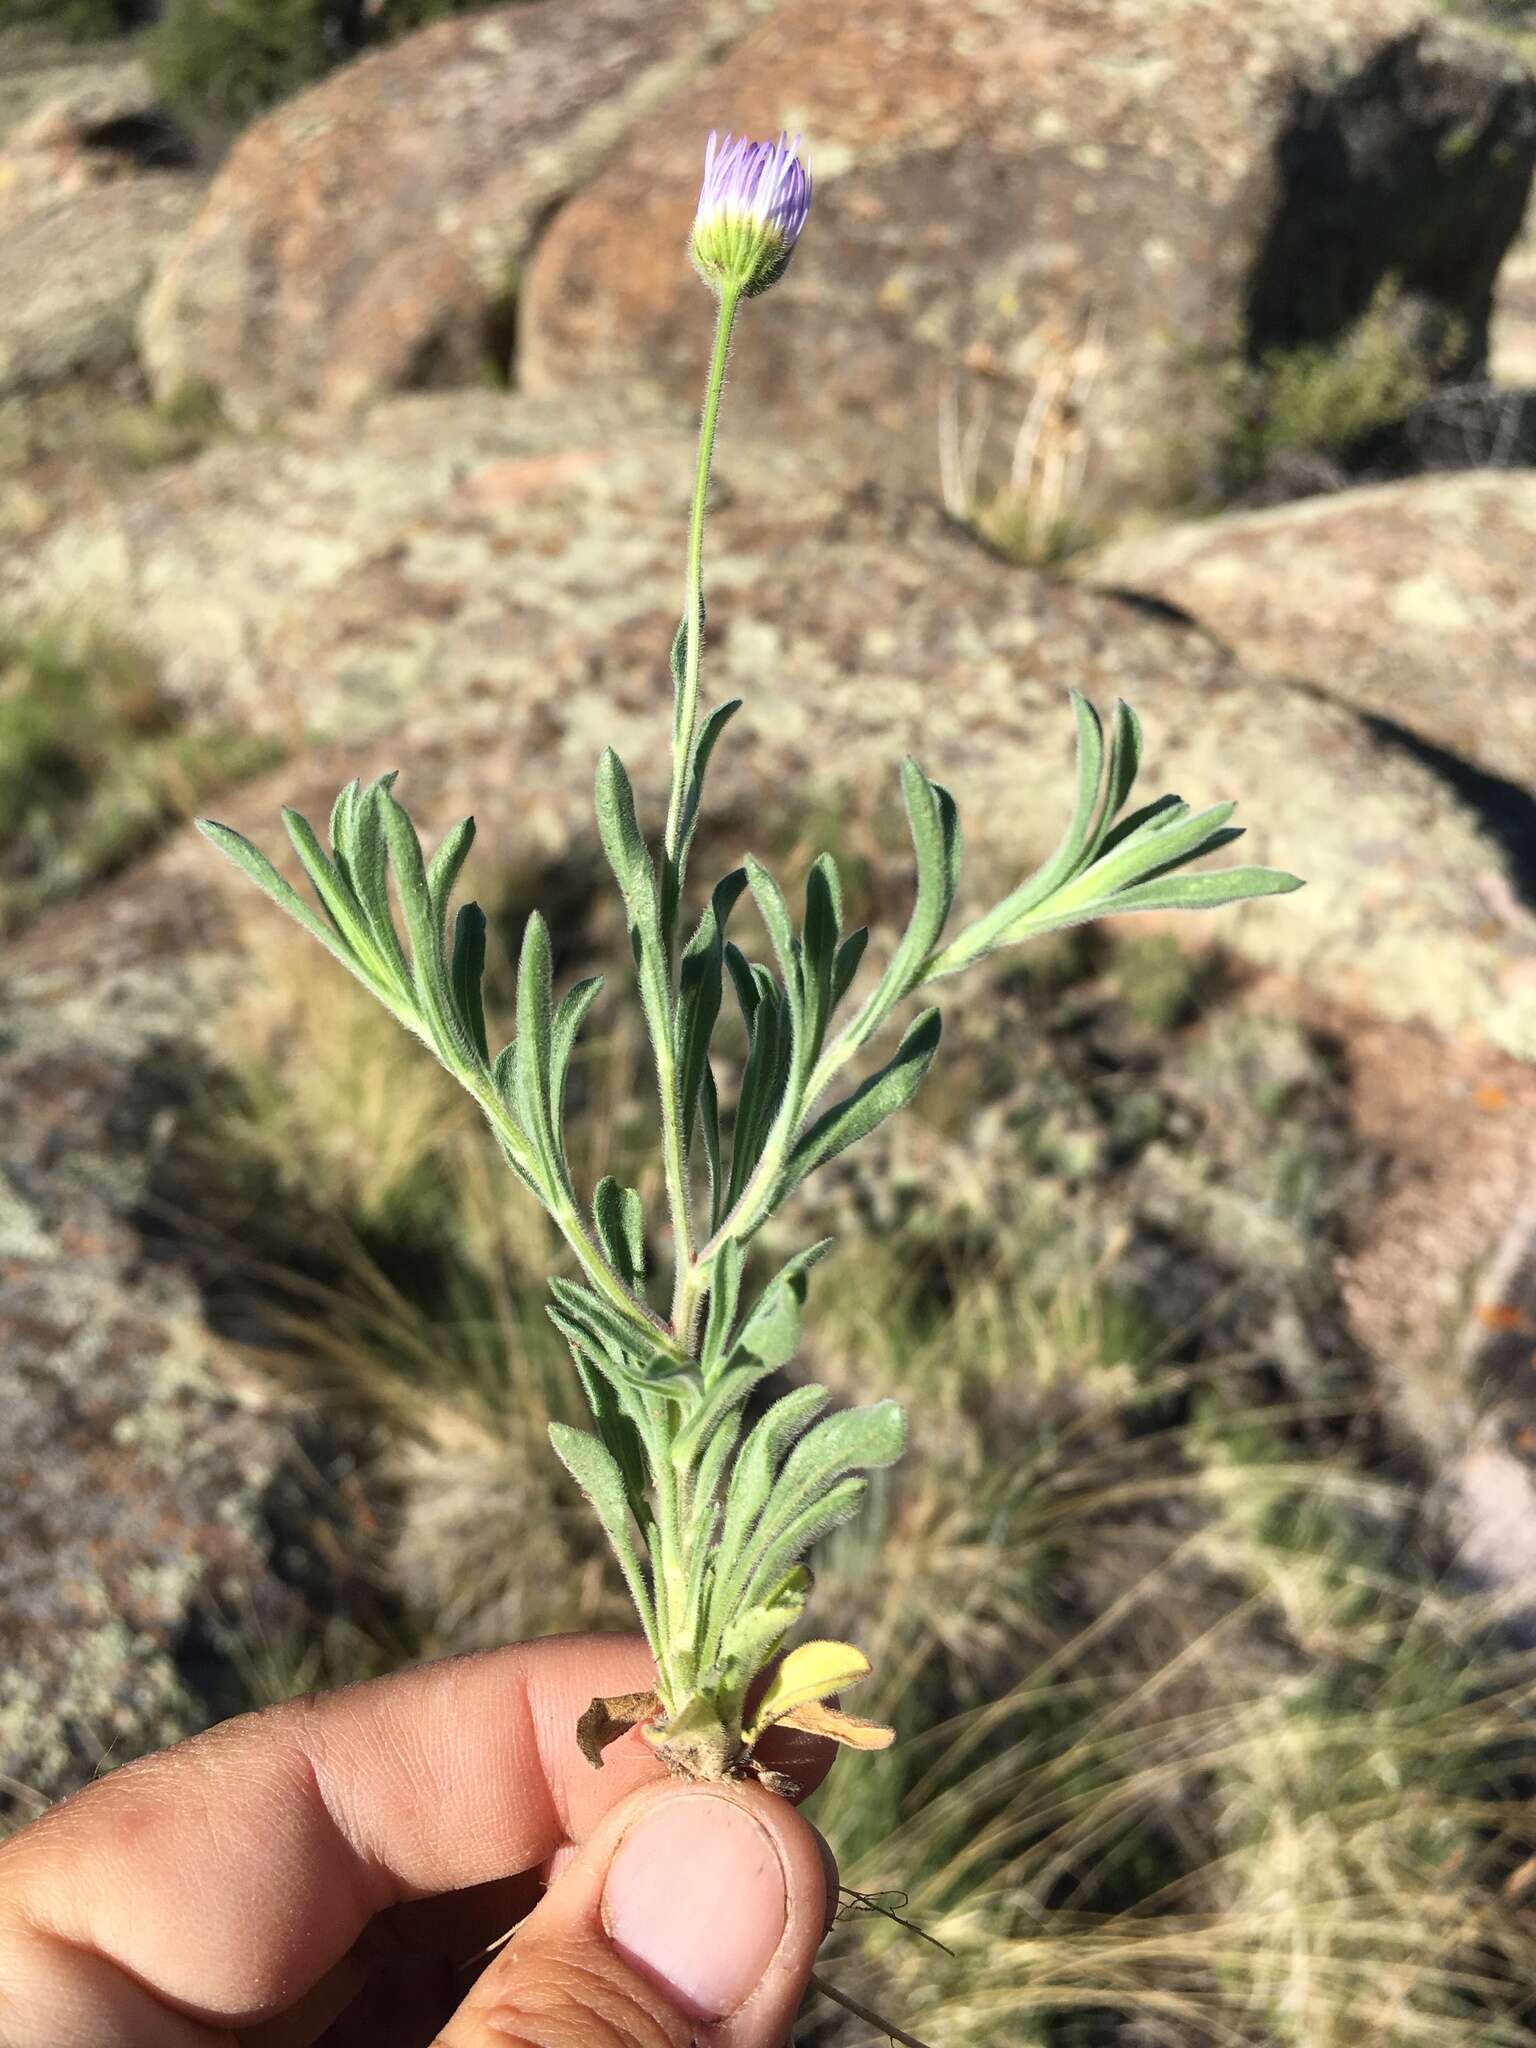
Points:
point(695, 1901)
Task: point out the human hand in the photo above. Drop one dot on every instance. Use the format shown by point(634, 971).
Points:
point(332, 1871)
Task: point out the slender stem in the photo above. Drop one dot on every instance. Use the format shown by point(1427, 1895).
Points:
point(862, 2012)
point(674, 1160)
point(659, 1542)
point(572, 1227)
point(755, 1202)
point(686, 710)
point(685, 717)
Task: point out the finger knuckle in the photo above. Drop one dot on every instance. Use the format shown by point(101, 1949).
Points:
point(583, 1998)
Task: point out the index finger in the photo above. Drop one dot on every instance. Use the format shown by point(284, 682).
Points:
point(227, 1875)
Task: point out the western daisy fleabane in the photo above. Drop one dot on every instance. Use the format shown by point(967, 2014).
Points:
point(710, 1485)
point(752, 207)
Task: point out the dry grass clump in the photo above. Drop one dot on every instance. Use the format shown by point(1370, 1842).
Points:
point(96, 762)
point(106, 420)
point(1035, 512)
point(1245, 1837)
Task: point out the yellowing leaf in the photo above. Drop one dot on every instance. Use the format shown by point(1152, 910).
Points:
point(816, 1719)
point(808, 1673)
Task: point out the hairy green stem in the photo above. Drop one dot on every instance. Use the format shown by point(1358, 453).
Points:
point(674, 1160)
point(686, 710)
point(685, 717)
point(569, 1221)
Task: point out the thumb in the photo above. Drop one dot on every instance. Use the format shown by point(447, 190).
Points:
point(692, 1915)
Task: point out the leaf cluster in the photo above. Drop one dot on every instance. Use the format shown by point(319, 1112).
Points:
point(711, 1519)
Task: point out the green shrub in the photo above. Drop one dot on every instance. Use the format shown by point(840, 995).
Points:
point(225, 61)
point(1334, 398)
point(1331, 399)
point(91, 420)
point(80, 20)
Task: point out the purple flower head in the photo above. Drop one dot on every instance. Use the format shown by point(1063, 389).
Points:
point(753, 205)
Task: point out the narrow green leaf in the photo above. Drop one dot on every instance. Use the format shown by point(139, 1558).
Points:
point(701, 1565)
point(582, 1323)
point(699, 994)
point(744, 981)
point(619, 1217)
point(679, 656)
point(857, 1440)
point(609, 1222)
point(429, 970)
point(1171, 846)
point(768, 1445)
point(752, 1640)
point(630, 1335)
point(709, 1126)
point(446, 863)
point(253, 862)
point(675, 871)
point(619, 830)
point(724, 1298)
point(777, 1110)
point(612, 1400)
point(1207, 891)
point(533, 1046)
point(705, 742)
point(753, 1477)
point(467, 974)
point(935, 829)
point(727, 1391)
point(770, 1335)
point(787, 1545)
point(330, 885)
point(1080, 837)
point(710, 1472)
point(880, 1096)
point(822, 929)
point(367, 863)
point(849, 955)
point(570, 1015)
point(633, 1223)
point(1125, 749)
point(598, 1475)
point(595, 1471)
point(774, 911)
point(762, 1081)
point(1151, 818)
point(343, 812)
